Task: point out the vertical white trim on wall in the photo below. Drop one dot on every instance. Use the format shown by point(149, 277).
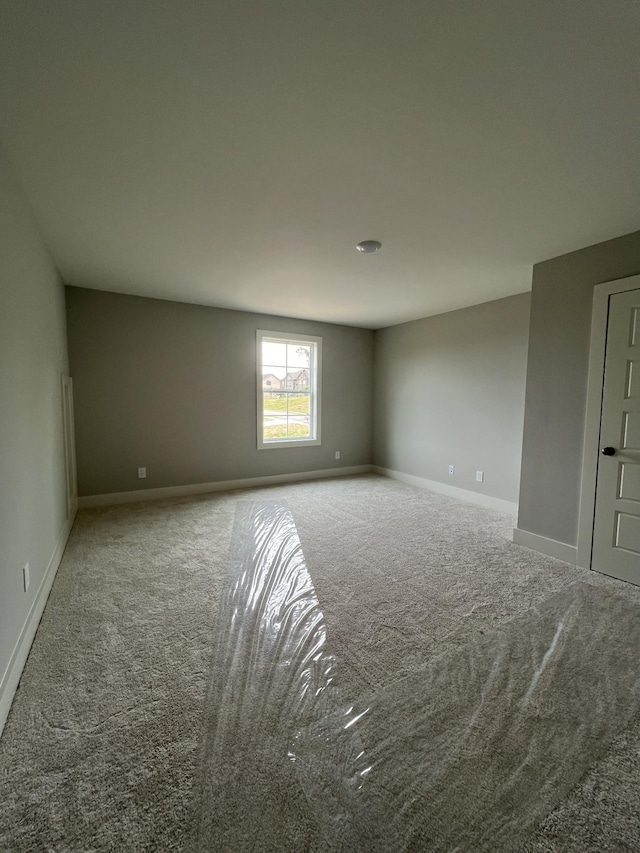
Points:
point(595, 385)
point(69, 446)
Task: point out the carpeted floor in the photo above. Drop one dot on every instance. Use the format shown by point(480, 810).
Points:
point(369, 667)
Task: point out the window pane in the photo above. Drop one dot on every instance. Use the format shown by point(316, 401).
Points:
point(274, 353)
point(298, 355)
point(274, 431)
point(274, 404)
point(299, 405)
point(272, 385)
point(299, 409)
point(297, 380)
point(297, 429)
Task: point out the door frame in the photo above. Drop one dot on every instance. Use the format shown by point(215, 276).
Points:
point(593, 414)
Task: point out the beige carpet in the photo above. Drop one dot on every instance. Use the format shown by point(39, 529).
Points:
point(412, 681)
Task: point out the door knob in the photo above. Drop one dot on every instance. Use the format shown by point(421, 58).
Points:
point(608, 451)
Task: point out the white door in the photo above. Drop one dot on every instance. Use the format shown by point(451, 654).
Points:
point(616, 533)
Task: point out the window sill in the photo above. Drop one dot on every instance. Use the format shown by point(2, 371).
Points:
point(279, 445)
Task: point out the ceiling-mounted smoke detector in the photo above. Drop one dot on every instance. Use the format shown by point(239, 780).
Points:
point(368, 247)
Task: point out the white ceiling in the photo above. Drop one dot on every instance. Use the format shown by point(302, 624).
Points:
point(233, 153)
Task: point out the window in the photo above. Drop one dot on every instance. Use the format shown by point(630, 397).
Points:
point(289, 370)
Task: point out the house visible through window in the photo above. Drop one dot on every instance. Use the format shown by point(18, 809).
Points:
point(288, 389)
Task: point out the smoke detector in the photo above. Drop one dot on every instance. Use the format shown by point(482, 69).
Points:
point(368, 247)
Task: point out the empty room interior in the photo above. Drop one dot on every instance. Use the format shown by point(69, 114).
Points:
point(320, 440)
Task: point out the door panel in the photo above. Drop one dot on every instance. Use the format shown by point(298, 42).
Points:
point(616, 534)
point(629, 481)
point(630, 439)
point(627, 534)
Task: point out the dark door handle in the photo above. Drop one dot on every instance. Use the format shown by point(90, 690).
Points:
point(608, 451)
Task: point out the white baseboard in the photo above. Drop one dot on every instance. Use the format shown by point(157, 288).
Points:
point(219, 486)
point(550, 547)
point(11, 677)
point(450, 491)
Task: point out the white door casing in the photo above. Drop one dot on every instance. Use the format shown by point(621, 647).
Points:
point(591, 444)
point(616, 533)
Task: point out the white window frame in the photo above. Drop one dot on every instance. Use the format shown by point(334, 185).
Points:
point(315, 389)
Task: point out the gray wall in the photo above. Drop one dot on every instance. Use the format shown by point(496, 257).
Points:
point(172, 387)
point(555, 407)
point(32, 359)
point(450, 389)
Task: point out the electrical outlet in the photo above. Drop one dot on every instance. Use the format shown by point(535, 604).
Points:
point(479, 476)
point(452, 470)
point(337, 454)
point(142, 473)
point(25, 576)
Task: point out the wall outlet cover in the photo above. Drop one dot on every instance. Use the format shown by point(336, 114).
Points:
point(337, 454)
point(25, 576)
point(142, 473)
point(479, 476)
point(452, 469)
